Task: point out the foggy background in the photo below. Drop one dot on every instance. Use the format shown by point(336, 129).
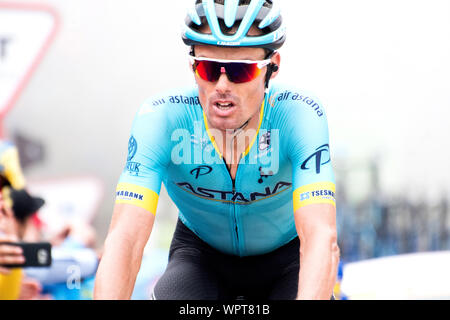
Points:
point(380, 68)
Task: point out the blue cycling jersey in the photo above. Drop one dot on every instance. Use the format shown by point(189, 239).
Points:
point(286, 166)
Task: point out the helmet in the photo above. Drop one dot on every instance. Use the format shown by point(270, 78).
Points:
point(224, 15)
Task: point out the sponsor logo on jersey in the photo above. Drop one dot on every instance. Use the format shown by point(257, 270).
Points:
point(132, 148)
point(184, 99)
point(128, 195)
point(314, 193)
point(263, 174)
point(288, 95)
point(323, 193)
point(304, 196)
point(317, 159)
point(264, 141)
point(201, 171)
point(132, 167)
point(176, 100)
point(234, 197)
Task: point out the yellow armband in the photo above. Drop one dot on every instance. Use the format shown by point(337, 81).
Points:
point(10, 285)
point(138, 196)
point(320, 192)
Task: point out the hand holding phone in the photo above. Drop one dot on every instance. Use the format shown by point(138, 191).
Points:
point(9, 254)
point(36, 254)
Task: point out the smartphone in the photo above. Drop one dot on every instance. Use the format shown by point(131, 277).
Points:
point(36, 254)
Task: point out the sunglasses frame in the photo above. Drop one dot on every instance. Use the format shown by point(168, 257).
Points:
point(259, 63)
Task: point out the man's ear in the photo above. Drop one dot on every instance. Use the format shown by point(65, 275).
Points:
point(276, 60)
point(273, 68)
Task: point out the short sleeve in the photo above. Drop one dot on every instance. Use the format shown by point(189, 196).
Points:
point(147, 158)
point(309, 151)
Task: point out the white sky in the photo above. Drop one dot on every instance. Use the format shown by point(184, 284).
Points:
point(382, 68)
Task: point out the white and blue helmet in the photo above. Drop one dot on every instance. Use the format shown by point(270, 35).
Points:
point(224, 15)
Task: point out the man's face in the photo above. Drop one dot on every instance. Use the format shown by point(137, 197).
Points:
point(229, 105)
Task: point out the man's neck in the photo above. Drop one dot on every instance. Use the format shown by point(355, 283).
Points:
point(233, 143)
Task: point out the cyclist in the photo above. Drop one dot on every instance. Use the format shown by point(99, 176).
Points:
point(247, 164)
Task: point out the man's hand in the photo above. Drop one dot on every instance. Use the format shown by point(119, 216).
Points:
point(30, 289)
point(9, 254)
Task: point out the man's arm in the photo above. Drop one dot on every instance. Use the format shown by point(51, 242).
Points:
point(137, 193)
point(308, 148)
point(129, 232)
point(319, 252)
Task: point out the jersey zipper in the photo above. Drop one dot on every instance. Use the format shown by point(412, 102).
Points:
point(235, 214)
point(235, 220)
point(235, 229)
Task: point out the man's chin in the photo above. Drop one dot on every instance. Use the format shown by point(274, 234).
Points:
point(225, 125)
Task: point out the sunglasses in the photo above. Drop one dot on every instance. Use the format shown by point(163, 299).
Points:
point(237, 71)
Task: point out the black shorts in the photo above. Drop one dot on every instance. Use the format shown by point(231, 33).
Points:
point(196, 271)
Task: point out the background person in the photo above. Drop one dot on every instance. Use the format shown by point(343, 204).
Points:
point(19, 213)
point(11, 175)
point(10, 279)
point(73, 256)
point(72, 252)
